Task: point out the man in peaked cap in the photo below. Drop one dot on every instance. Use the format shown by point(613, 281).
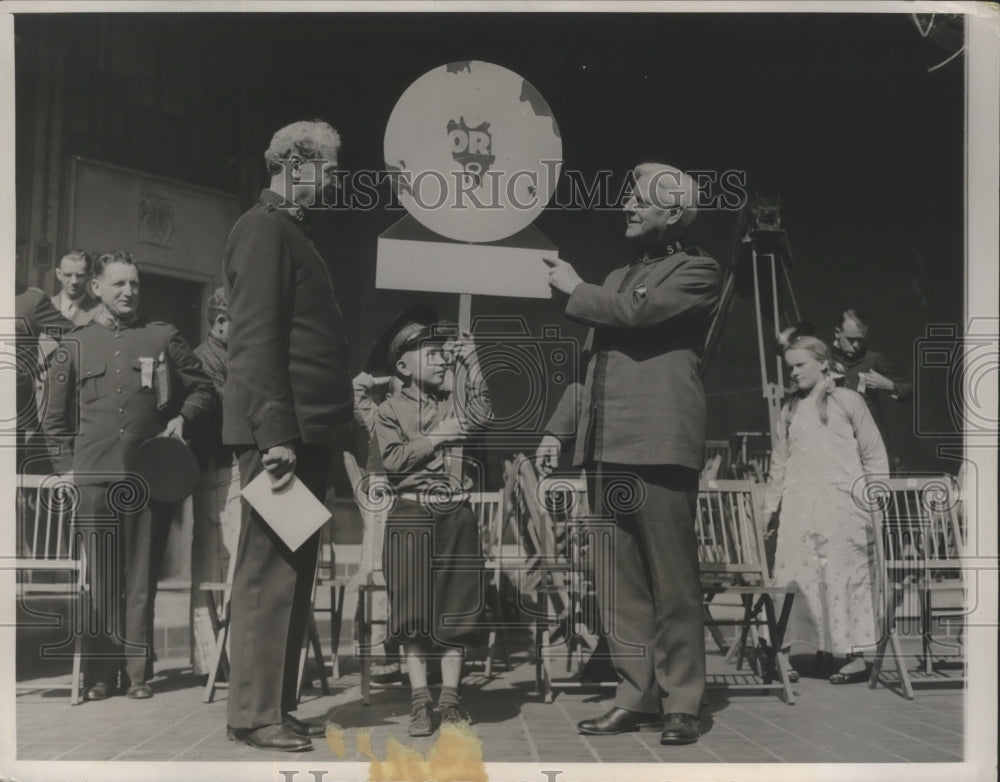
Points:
point(128, 381)
point(640, 417)
point(286, 405)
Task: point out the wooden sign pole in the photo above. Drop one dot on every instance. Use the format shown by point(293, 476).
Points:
point(454, 452)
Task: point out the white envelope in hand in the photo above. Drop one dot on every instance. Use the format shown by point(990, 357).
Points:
point(294, 512)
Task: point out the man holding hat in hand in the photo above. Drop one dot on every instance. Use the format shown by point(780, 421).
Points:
point(127, 381)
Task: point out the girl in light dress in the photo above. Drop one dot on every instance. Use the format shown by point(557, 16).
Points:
point(827, 451)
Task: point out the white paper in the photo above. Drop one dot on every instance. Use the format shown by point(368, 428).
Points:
point(294, 512)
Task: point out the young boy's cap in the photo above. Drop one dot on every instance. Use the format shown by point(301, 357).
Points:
point(406, 330)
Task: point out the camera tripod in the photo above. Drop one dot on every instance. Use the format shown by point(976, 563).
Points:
point(759, 262)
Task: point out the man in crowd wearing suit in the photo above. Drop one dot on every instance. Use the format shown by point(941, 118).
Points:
point(639, 421)
point(287, 401)
point(74, 300)
point(35, 319)
point(868, 372)
point(128, 380)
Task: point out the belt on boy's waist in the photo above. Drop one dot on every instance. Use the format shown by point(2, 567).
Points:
point(436, 497)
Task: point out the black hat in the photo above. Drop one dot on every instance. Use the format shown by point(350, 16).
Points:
point(169, 467)
point(411, 326)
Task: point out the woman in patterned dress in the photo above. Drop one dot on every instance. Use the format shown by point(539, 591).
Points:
point(827, 450)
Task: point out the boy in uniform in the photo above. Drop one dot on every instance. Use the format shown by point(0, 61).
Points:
point(431, 559)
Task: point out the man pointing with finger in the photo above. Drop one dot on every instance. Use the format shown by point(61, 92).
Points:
point(640, 417)
point(287, 396)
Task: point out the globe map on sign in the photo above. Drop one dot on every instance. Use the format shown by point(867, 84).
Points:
point(474, 150)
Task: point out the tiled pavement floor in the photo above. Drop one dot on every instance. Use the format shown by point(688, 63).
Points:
point(827, 724)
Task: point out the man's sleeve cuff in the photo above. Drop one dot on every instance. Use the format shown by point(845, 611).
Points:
point(273, 424)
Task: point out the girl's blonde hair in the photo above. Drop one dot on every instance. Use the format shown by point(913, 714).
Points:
point(822, 353)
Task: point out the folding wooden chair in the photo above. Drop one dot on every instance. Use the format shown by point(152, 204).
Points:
point(489, 510)
point(372, 495)
point(564, 543)
point(49, 560)
point(218, 594)
point(326, 577)
point(732, 561)
point(919, 548)
point(311, 642)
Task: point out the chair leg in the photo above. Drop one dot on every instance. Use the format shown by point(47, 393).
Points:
point(877, 663)
point(786, 683)
point(887, 629)
point(713, 628)
point(217, 660)
point(311, 639)
point(739, 649)
point(317, 648)
point(536, 650)
point(490, 645)
point(336, 620)
point(904, 676)
point(74, 692)
point(546, 678)
point(364, 645)
point(925, 630)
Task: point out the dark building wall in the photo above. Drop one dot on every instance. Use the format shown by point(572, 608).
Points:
point(836, 114)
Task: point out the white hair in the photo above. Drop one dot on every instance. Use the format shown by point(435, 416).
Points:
point(309, 139)
point(673, 188)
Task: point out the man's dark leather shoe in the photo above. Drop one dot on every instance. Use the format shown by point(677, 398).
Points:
point(680, 729)
point(619, 720)
point(276, 737)
point(139, 692)
point(98, 692)
point(299, 727)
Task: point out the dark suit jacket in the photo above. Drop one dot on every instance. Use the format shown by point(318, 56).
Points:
point(642, 401)
point(866, 362)
point(98, 406)
point(35, 315)
point(289, 377)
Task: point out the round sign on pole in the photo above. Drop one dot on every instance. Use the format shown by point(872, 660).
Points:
point(474, 150)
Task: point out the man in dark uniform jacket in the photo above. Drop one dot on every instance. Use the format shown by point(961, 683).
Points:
point(287, 401)
point(109, 383)
point(868, 372)
point(639, 419)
